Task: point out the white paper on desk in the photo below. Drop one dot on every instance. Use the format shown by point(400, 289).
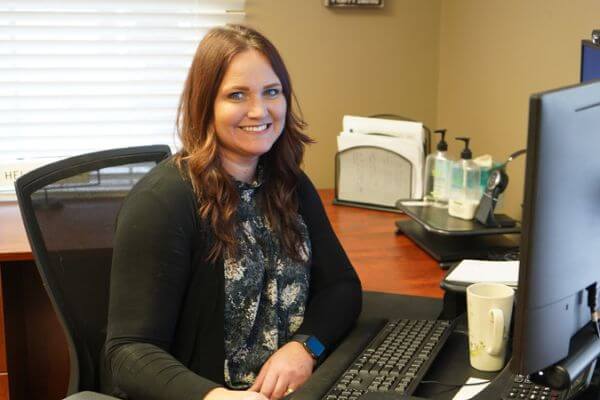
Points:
point(472, 271)
point(406, 148)
point(407, 130)
point(468, 392)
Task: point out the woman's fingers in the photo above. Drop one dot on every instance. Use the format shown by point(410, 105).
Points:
point(281, 387)
point(268, 385)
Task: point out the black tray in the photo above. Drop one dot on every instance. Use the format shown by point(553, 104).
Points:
point(452, 248)
point(437, 220)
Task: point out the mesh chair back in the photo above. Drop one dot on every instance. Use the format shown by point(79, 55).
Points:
point(69, 209)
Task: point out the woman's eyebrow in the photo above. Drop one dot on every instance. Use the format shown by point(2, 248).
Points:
point(246, 88)
point(236, 87)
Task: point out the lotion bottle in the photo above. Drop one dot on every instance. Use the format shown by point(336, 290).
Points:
point(464, 187)
point(437, 174)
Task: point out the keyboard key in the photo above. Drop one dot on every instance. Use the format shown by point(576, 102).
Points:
point(399, 354)
point(525, 389)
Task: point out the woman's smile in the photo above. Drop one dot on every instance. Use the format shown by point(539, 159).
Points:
point(256, 128)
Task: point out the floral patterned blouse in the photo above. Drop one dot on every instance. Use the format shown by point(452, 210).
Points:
point(265, 292)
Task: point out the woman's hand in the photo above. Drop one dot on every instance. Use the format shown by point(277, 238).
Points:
point(287, 369)
point(225, 394)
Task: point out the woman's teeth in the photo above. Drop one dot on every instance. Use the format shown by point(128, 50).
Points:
point(256, 128)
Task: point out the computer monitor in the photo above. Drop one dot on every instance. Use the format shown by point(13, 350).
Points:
point(590, 61)
point(560, 240)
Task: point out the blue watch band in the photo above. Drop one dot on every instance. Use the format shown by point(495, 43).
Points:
point(313, 345)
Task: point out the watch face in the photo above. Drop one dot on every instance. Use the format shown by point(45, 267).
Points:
point(315, 346)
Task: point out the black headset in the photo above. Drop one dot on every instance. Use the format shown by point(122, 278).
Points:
point(496, 184)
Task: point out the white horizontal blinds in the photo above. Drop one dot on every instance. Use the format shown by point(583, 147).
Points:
point(79, 76)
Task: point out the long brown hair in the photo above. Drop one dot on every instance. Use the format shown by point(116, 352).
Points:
point(216, 192)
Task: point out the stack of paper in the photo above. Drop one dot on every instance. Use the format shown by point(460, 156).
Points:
point(471, 388)
point(473, 271)
point(405, 138)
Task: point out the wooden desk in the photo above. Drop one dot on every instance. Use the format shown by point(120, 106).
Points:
point(34, 361)
point(384, 261)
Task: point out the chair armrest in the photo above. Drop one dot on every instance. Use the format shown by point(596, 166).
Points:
point(89, 396)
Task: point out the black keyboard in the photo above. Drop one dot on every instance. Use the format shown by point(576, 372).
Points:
point(523, 389)
point(395, 361)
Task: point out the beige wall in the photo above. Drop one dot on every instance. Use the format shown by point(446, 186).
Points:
point(358, 62)
point(493, 55)
point(467, 65)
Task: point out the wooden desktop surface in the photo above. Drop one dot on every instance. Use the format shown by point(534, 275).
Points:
point(384, 261)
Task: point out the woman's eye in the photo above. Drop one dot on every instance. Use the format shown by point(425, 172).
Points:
point(272, 92)
point(236, 96)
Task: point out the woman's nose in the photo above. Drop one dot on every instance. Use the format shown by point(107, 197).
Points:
point(258, 108)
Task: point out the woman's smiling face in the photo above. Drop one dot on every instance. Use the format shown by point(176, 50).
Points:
point(250, 108)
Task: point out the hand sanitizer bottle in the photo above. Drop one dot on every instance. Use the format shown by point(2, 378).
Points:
point(464, 187)
point(437, 174)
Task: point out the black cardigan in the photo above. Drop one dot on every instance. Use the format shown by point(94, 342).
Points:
point(165, 325)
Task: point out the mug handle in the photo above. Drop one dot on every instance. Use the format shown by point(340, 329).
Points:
point(496, 332)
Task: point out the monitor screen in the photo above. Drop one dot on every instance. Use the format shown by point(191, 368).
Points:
point(561, 225)
point(590, 61)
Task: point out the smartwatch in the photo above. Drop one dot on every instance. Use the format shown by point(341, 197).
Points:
point(313, 345)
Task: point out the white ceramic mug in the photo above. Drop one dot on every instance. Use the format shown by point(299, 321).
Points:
point(489, 309)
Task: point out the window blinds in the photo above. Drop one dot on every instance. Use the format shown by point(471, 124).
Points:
point(79, 76)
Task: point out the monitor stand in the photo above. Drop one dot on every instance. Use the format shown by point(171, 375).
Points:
point(452, 248)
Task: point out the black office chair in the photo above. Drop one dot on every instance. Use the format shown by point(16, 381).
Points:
point(69, 210)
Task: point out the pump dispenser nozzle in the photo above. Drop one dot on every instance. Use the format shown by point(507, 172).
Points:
point(466, 154)
point(442, 145)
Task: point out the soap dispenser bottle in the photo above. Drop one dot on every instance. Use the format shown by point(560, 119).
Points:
point(437, 174)
point(465, 191)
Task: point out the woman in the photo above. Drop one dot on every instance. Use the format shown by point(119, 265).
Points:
point(224, 262)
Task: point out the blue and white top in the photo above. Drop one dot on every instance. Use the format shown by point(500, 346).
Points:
point(265, 291)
